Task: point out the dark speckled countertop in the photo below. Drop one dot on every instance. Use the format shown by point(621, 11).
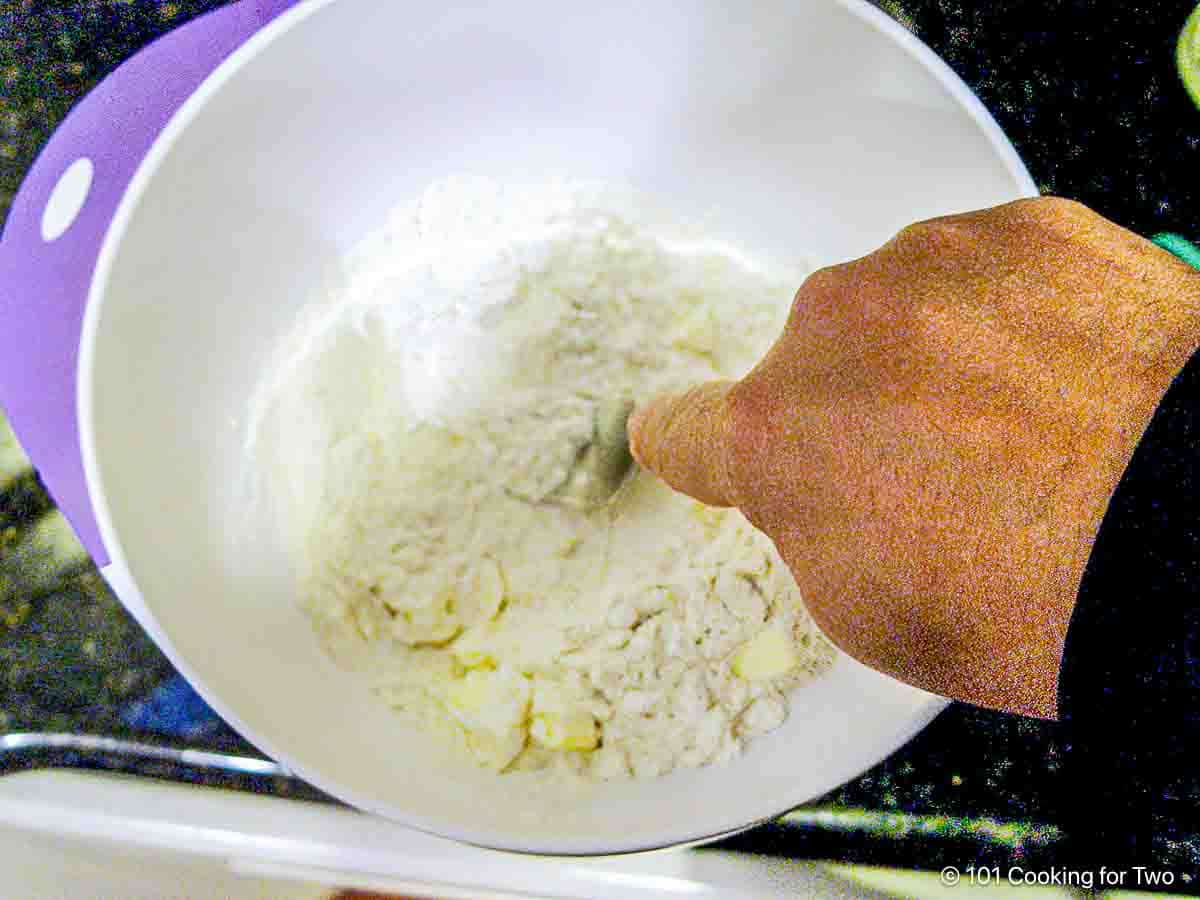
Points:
point(1089, 95)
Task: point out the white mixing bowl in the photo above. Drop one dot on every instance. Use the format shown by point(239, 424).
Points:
point(812, 126)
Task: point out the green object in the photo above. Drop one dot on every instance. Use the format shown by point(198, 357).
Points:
point(1180, 246)
point(1187, 55)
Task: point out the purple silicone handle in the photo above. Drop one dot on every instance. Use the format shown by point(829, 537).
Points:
point(44, 285)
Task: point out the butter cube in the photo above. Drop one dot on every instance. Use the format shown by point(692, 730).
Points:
point(768, 654)
point(562, 719)
point(495, 701)
point(474, 648)
point(487, 590)
point(432, 622)
point(576, 731)
point(496, 752)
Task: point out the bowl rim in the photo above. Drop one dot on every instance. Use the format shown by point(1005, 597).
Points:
point(686, 834)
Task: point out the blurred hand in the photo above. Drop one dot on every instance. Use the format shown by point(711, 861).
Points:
point(933, 440)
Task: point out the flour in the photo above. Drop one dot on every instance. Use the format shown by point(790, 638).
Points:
point(446, 396)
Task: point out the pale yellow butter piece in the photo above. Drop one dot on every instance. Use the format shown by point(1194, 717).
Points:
point(490, 700)
point(561, 720)
point(488, 589)
point(496, 752)
point(768, 654)
point(576, 731)
point(492, 705)
point(474, 648)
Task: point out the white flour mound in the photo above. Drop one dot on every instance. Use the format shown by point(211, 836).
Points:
point(420, 423)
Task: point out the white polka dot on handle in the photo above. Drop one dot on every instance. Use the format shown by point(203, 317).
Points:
point(67, 199)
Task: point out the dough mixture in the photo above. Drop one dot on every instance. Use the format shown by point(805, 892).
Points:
point(630, 640)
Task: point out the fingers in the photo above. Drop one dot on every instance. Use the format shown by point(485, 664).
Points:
point(685, 440)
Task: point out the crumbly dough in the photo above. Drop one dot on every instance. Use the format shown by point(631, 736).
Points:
point(631, 640)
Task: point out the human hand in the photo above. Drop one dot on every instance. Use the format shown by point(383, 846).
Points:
point(933, 440)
